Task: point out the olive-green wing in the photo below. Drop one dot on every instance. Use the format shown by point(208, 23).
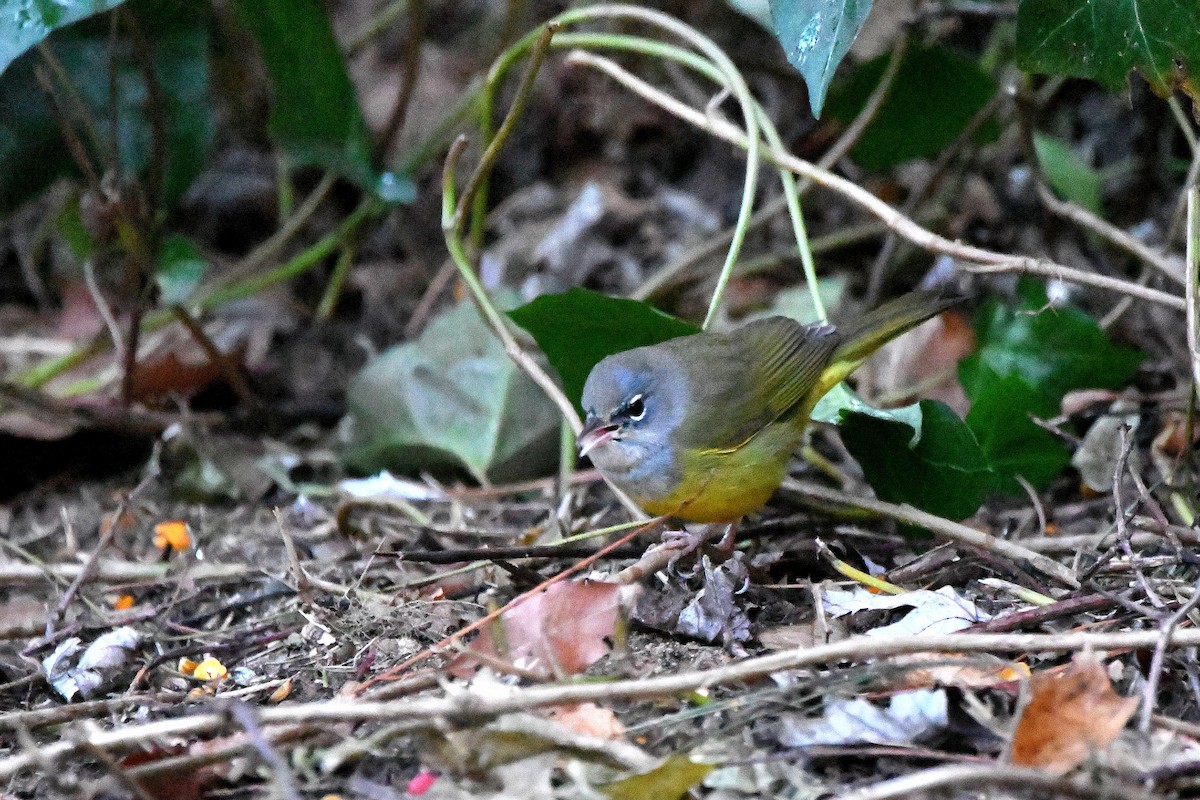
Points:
point(786, 360)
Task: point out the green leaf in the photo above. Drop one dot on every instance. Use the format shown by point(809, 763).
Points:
point(451, 399)
point(25, 23)
point(181, 267)
point(945, 472)
point(315, 115)
point(1067, 173)
point(1011, 441)
point(1055, 349)
point(1105, 39)
point(840, 401)
point(816, 35)
point(935, 94)
point(32, 152)
point(577, 328)
point(1029, 357)
point(670, 780)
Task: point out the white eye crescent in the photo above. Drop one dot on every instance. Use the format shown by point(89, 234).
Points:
point(636, 407)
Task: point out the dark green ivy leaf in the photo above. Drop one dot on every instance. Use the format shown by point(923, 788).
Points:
point(935, 94)
point(578, 328)
point(945, 472)
point(1105, 39)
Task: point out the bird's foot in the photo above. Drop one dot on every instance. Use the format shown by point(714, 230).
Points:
point(684, 542)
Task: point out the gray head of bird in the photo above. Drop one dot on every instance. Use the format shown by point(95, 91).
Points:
point(634, 403)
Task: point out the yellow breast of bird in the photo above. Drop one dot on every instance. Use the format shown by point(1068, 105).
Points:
point(723, 486)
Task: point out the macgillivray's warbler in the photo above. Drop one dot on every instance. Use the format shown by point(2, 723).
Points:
point(701, 428)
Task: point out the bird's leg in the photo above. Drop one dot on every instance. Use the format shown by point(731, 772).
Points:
point(686, 542)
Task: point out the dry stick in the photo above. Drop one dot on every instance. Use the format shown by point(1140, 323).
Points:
point(89, 566)
point(834, 154)
point(943, 527)
point(470, 706)
point(1073, 212)
point(240, 711)
point(964, 777)
point(1121, 517)
point(1193, 275)
point(979, 260)
point(116, 572)
point(1150, 692)
point(412, 71)
point(224, 364)
point(114, 770)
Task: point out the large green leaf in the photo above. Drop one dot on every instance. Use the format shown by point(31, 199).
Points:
point(32, 153)
point(934, 95)
point(25, 23)
point(452, 399)
point(1029, 357)
point(577, 328)
point(315, 115)
point(1000, 418)
point(816, 35)
point(1054, 349)
point(1105, 39)
point(943, 472)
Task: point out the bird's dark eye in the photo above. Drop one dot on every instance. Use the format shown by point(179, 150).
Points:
point(636, 408)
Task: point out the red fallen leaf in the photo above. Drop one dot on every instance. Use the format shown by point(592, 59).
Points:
point(561, 631)
point(1070, 713)
point(182, 784)
point(174, 373)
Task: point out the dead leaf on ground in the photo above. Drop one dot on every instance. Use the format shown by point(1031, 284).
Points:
point(588, 719)
point(1070, 713)
point(561, 631)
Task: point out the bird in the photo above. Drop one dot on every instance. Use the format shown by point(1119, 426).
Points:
point(701, 428)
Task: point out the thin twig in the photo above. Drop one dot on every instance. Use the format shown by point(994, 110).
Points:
point(89, 567)
point(970, 258)
point(1192, 260)
point(1150, 691)
point(524, 91)
point(942, 527)
point(470, 706)
point(412, 71)
point(284, 782)
point(964, 777)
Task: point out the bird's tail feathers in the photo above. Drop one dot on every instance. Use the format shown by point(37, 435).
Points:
point(865, 335)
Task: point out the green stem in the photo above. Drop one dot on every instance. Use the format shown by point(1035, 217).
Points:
point(333, 290)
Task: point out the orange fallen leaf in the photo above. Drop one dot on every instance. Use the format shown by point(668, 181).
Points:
point(1070, 713)
point(588, 719)
point(123, 602)
point(210, 669)
point(173, 534)
point(282, 693)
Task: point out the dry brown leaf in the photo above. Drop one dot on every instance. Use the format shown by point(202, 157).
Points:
point(1070, 713)
point(973, 672)
point(588, 719)
point(563, 630)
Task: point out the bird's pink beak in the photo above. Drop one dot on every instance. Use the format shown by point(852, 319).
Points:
point(594, 434)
